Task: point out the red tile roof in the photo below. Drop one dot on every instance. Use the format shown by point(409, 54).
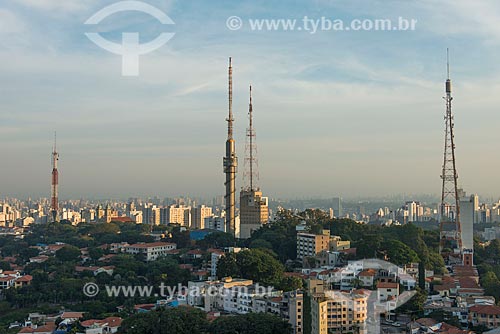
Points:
point(387, 285)
point(485, 309)
point(152, 244)
point(72, 315)
point(25, 278)
point(368, 273)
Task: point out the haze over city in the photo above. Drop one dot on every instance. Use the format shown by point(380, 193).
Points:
point(336, 113)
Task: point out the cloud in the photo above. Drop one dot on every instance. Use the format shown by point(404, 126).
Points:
point(57, 5)
point(10, 23)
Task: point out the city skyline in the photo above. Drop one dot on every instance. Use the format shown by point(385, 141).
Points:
point(335, 119)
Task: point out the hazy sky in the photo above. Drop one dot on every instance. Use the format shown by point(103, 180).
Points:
point(336, 112)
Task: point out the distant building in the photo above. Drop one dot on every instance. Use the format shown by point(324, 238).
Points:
point(337, 206)
point(179, 214)
point(468, 210)
point(219, 224)
point(198, 215)
point(254, 212)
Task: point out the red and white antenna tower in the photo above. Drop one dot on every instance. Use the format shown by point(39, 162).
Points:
point(54, 200)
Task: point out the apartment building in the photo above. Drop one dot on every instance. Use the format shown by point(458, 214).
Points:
point(337, 312)
point(151, 251)
point(486, 315)
point(309, 245)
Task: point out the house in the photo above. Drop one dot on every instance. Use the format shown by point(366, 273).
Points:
point(104, 326)
point(13, 278)
point(367, 277)
point(48, 328)
point(201, 274)
point(407, 281)
point(429, 326)
point(194, 254)
point(142, 308)
point(52, 249)
point(6, 282)
point(23, 281)
point(39, 259)
point(387, 291)
point(96, 270)
point(72, 316)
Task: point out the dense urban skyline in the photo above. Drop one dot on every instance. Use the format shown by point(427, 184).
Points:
point(337, 113)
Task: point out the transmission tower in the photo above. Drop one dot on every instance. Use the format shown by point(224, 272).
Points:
point(251, 174)
point(450, 244)
point(54, 196)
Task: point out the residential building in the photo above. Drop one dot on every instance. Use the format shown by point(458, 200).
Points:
point(309, 245)
point(198, 215)
point(254, 212)
point(486, 315)
point(387, 291)
point(179, 214)
point(338, 312)
point(151, 251)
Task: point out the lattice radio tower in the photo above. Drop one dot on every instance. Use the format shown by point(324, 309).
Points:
point(450, 244)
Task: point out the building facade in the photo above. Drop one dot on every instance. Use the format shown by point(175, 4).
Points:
point(254, 212)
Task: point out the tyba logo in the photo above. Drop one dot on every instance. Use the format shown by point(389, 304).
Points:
point(130, 49)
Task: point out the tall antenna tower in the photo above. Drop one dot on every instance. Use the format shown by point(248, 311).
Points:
point(450, 229)
point(251, 174)
point(54, 201)
point(230, 162)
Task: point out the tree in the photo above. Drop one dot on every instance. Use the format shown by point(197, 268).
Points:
point(436, 262)
point(4, 265)
point(68, 253)
point(290, 283)
point(399, 253)
point(261, 243)
point(491, 284)
point(262, 323)
point(493, 251)
point(415, 305)
point(255, 264)
point(181, 320)
point(217, 240)
point(227, 266)
point(95, 253)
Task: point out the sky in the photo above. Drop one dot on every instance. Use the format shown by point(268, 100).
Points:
point(337, 113)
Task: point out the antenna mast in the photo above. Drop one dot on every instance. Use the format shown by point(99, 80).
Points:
point(54, 201)
point(450, 244)
point(251, 150)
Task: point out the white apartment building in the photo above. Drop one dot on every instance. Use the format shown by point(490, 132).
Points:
point(151, 251)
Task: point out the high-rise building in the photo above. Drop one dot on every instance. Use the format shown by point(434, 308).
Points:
point(467, 220)
point(198, 215)
point(254, 212)
point(337, 206)
point(338, 312)
point(179, 214)
point(309, 244)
